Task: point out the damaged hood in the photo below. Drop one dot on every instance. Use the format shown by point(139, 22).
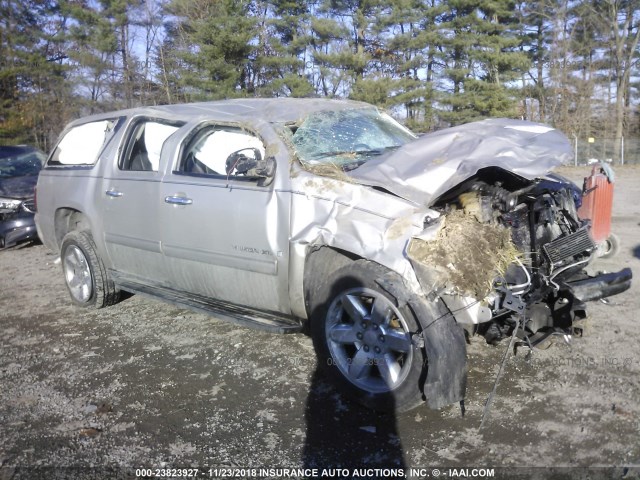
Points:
point(18, 187)
point(423, 170)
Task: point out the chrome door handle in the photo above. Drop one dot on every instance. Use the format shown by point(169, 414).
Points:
point(176, 200)
point(113, 193)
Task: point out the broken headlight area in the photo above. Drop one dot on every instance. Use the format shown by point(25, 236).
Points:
point(16, 221)
point(503, 251)
point(9, 205)
point(10, 208)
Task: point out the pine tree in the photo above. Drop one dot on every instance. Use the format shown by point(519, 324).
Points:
point(281, 60)
point(34, 94)
point(482, 41)
point(406, 56)
point(345, 35)
point(213, 42)
point(537, 18)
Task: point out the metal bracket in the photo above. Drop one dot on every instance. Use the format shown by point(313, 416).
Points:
point(511, 302)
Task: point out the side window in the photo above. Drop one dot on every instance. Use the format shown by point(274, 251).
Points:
point(143, 147)
point(227, 152)
point(82, 144)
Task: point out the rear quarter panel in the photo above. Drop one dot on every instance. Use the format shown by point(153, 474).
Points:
point(76, 187)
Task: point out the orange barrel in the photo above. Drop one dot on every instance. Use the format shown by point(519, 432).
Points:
point(597, 204)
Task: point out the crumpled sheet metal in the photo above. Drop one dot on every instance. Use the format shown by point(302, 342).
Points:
point(375, 226)
point(423, 170)
point(371, 224)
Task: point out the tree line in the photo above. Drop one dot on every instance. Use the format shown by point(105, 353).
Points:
point(431, 63)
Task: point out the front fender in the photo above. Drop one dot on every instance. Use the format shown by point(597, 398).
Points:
point(446, 349)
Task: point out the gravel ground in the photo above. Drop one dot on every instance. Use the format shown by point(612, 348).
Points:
point(145, 384)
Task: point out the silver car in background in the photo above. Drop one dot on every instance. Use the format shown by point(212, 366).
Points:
point(328, 217)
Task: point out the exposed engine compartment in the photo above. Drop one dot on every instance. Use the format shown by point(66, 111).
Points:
point(546, 284)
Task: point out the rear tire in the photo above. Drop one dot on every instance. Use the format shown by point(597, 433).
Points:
point(364, 340)
point(85, 275)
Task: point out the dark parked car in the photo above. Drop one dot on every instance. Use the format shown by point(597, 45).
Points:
point(19, 169)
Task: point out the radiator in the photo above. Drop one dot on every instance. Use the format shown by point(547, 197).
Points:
point(563, 248)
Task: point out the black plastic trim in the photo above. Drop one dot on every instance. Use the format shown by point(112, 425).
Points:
point(259, 320)
point(601, 286)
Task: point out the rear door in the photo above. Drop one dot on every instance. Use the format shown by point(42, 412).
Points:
point(225, 233)
point(130, 199)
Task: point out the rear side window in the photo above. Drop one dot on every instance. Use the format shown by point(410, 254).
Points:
point(82, 144)
point(144, 145)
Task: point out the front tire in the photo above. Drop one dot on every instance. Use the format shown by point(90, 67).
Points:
point(85, 275)
point(364, 340)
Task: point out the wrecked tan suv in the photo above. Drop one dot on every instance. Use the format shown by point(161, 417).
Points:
point(288, 214)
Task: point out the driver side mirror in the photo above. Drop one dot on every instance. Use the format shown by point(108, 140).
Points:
point(249, 163)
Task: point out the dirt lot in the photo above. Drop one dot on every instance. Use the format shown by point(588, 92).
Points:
point(147, 384)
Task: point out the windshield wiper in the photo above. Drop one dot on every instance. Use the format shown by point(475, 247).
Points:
point(347, 167)
point(373, 151)
point(338, 153)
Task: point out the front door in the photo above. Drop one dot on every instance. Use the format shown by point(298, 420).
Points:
point(224, 233)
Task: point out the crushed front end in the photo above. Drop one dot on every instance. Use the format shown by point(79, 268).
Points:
point(537, 275)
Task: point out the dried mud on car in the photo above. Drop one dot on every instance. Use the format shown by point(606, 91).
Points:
point(146, 384)
point(467, 253)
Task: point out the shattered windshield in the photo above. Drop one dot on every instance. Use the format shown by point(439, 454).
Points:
point(347, 138)
point(20, 161)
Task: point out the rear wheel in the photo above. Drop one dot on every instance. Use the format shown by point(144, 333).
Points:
point(610, 247)
point(364, 340)
point(85, 275)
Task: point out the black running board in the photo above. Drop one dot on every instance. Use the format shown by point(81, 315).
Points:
point(265, 321)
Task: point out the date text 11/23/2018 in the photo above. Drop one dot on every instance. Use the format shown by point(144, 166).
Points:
point(236, 472)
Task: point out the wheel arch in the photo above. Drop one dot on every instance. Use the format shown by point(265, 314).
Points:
point(320, 262)
point(67, 219)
